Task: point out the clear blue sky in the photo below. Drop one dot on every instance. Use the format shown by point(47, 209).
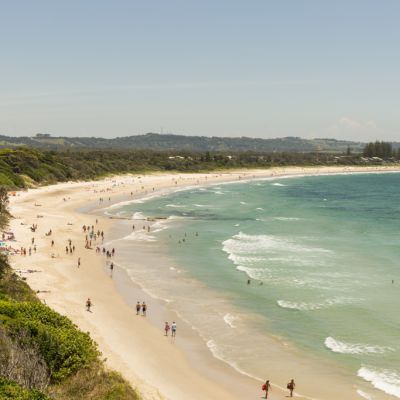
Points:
point(310, 68)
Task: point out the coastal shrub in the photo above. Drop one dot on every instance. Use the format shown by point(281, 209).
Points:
point(12, 286)
point(80, 164)
point(21, 361)
point(6, 180)
point(18, 180)
point(94, 383)
point(11, 391)
point(63, 346)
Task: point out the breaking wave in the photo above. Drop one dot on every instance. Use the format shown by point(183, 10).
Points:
point(304, 306)
point(383, 379)
point(354, 348)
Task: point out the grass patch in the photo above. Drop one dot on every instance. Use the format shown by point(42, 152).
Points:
point(94, 383)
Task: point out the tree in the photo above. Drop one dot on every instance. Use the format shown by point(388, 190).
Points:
point(3, 207)
point(378, 149)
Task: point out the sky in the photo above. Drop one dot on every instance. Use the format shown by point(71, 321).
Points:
point(257, 68)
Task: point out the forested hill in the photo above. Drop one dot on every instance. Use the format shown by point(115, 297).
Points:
point(161, 142)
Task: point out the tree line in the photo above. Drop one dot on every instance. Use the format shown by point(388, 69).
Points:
point(23, 167)
point(382, 150)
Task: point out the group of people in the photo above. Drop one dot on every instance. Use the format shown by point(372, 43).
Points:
point(68, 249)
point(22, 251)
point(141, 307)
point(266, 387)
point(91, 234)
point(171, 328)
point(107, 253)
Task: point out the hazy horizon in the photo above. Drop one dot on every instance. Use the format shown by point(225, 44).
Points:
point(182, 134)
point(264, 69)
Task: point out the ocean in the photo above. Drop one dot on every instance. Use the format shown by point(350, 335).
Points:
point(294, 277)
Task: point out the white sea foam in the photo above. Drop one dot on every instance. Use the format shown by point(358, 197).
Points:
point(277, 184)
point(217, 353)
point(304, 306)
point(135, 201)
point(294, 260)
point(259, 274)
point(286, 219)
point(238, 260)
point(174, 217)
point(354, 348)
point(201, 205)
point(138, 215)
point(140, 236)
point(242, 202)
point(121, 204)
point(383, 379)
point(364, 394)
point(219, 192)
point(174, 205)
point(212, 345)
point(158, 227)
point(230, 319)
point(259, 208)
point(254, 244)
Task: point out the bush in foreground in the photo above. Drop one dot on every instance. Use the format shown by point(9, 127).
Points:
point(10, 390)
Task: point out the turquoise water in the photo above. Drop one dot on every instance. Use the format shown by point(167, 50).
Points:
point(320, 253)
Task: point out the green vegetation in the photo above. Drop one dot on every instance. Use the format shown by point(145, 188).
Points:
point(93, 383)
point(43, 355)
point(382, 150)
point(63, 347)
point(25, 167)
point(3, 206)
point(10, 390)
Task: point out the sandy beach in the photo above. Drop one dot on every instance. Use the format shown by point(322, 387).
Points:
point(133, 345)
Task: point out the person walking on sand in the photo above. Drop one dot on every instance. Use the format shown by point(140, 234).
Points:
point(79, 262)
point(173, 329)
point(166, 328)
point(144, 309)
point(266, 387)
point(138, 308)
point(291, 385)
point(88, 304)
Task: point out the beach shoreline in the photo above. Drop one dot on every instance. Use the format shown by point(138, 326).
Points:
point(132, 345)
